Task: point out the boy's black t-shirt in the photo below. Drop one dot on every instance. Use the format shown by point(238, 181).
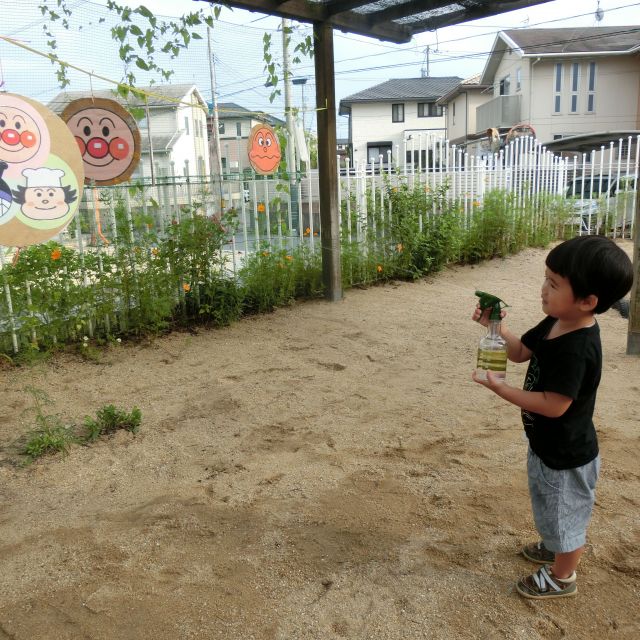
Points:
point(571, 365)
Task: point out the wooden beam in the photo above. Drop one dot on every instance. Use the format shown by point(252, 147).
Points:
point(472, 13)
point(334, 7)
point(633, 334)
point(305, 11)
point(327, 160)
point(397, 11)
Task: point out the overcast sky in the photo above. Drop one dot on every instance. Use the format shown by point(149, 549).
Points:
point(360, 62)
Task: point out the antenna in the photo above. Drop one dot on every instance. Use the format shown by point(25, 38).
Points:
point(599, 13)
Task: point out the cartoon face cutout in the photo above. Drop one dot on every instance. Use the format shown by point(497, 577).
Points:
point(24, 137)
point(264, 150)
point(108, 139)
point(44, 197)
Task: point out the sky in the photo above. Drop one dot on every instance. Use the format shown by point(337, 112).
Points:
point(237, 38)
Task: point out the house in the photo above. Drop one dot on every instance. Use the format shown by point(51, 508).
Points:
point(563, 82)
point(173, 129)
point(383, 117)
point(234, 125)
point(460, 104)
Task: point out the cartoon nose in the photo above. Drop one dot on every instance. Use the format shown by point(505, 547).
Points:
point(119, 148)
point(97, 148)
point(45, 202)
point(10, 136)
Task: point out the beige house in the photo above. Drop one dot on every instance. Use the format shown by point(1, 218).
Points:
point(397, 118)
point(563, 82)
point(460, 105)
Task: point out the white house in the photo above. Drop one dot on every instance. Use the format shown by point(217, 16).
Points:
point(383, 117)
point(564, 82)
point(174, 134)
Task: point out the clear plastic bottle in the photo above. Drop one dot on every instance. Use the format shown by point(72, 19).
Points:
point(492, 352)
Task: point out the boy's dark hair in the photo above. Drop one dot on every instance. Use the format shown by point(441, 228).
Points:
point(594, 265)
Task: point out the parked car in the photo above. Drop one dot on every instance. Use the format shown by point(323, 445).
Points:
point(603, 203)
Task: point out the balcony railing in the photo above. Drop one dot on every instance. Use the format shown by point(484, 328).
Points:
point(502, 111)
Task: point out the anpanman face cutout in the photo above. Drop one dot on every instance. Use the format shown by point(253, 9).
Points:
point(108, 139)
point(24, 137)
point(264, 149)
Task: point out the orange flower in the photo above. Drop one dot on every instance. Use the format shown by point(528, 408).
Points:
point(261, 208)
point(379, 268)
point(155, 251)
point(186, 287)
point(399, 247)
point(265, 253)
point(315, 233)
point(289, 258)
point(476, 203)
point(307, 231)
point(56, 254)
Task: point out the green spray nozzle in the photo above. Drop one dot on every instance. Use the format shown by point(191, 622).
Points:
point(489, 301)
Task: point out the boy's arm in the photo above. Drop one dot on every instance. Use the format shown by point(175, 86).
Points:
point(516, 351)
point(545, 403)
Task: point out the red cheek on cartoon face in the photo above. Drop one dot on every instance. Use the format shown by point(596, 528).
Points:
point(105, 141)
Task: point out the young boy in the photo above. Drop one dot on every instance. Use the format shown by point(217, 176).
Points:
point(583, 276)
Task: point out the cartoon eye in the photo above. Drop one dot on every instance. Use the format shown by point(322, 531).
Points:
point(268, 141)
point(2, 123)
point(260, 141)
point(17, 125)
point(87, 130)
point(38, 194)
point(105, 132)
point(51, 194)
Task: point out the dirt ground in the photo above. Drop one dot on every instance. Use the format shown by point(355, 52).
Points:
point(326, 471)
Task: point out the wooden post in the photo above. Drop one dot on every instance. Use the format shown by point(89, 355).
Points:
point(327, 162)
point(633, 336)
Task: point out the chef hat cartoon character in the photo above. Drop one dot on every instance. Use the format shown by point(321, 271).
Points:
point(44, 197)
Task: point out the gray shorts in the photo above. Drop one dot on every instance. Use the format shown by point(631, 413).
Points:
point(562, 501)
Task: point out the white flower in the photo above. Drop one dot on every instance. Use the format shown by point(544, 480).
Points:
point(118, 339)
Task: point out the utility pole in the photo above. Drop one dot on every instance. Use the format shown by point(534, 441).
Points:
point(214, 144)
point(633, 335)
point(291, 148)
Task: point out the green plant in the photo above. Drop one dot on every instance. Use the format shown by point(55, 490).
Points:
point(50, 434)
point(109, 419)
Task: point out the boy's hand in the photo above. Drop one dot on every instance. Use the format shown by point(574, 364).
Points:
point(482, 317)
point(492, 382)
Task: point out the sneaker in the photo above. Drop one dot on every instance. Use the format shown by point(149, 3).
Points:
point(537, 552)
point(543, 585)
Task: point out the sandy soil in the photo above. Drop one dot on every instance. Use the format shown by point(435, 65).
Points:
point(327, 471)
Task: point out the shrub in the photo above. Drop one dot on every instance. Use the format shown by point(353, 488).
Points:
point(109, 420)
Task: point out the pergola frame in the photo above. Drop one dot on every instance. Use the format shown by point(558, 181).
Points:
point(396, 21)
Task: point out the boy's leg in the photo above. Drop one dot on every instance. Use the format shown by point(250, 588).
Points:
point(566, 563)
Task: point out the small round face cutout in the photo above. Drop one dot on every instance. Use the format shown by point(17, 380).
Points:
point(24, 137)
point(108, 139)
point(264, 149)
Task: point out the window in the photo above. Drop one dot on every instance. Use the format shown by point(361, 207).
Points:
point(376, 149)
point(397, 112)
point(429, 110)
point(505, 86)
point(575, 83)
point(557, 88)
point(518, 79)
point(591, 88)
point(239, 129)
point(220, 127)
point(186, 125)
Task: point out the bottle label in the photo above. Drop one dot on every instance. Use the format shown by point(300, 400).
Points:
point(492, 360)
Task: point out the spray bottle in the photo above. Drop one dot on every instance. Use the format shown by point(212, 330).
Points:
point(492, 350)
